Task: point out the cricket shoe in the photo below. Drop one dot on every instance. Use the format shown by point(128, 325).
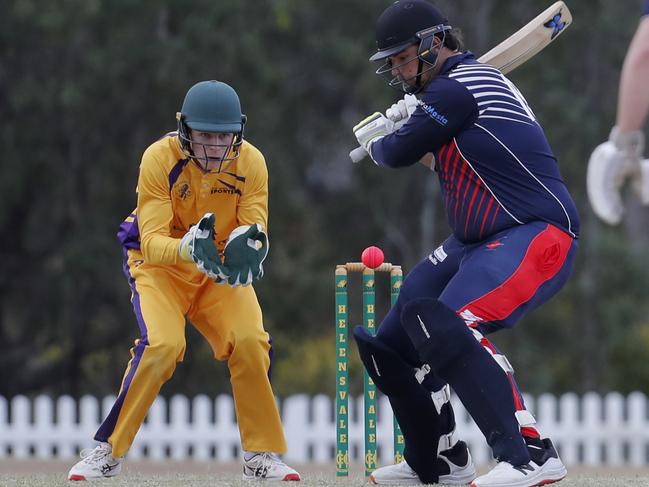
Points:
point(266, 466)
point(96, 463)
point(545, 467)
point(397, 474)
point(455, 467)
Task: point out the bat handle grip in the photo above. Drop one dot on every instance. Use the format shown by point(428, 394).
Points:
point(358, 154)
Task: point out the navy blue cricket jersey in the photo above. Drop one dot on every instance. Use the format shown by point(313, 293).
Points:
point(494, 163)
point(646, 8)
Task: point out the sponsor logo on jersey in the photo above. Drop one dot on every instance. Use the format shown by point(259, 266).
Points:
point(216, 190)
point(434, 114)
point(226, 188)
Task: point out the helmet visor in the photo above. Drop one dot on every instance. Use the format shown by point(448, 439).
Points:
point(381, 54)
point(225, 128)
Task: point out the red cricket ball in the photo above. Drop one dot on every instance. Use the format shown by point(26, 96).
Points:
point(372, 257)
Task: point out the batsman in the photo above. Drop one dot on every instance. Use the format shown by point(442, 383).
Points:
point(512, 247)
point(192, 247)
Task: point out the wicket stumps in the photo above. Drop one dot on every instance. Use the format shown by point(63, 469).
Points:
point(369, 389)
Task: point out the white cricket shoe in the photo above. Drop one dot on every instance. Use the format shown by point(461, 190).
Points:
point(266, 466)
point(456, 462)
point(545, 467)
point(398, 474)
point(459, 464)
point(96, 463)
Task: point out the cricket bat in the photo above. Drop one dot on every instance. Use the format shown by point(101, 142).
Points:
point(519, 47)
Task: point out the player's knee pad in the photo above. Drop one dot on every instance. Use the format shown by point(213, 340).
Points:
point(412, 405)
point(387, 369)
point(438, 334)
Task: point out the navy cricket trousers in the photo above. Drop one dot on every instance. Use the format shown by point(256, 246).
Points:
point(490, 285)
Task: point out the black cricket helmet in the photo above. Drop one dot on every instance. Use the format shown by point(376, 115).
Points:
point(401, 25)
point(213, 107)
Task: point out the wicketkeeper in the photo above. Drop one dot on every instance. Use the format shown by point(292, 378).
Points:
point(192, 247)
point(513, 243)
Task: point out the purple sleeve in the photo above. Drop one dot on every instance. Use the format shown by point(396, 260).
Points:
point(646, 8)
point(446, 108)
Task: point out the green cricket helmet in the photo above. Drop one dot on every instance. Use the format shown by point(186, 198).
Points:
point(212, 107)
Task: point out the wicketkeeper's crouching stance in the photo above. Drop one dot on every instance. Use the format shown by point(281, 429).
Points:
point(202, 177)
point(513, 244)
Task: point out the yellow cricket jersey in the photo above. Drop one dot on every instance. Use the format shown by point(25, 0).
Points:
point(174, 193)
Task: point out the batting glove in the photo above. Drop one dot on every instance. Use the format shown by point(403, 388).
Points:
point(403, 109)
point(609, 166)
point(371, 129)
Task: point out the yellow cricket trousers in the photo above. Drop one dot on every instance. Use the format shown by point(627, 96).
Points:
point(231, 321)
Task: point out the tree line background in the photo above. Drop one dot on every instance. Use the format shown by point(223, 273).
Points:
point(87, 85)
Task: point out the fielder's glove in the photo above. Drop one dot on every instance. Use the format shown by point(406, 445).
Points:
point(198, 246)
point(610, 164)
point(244, 254)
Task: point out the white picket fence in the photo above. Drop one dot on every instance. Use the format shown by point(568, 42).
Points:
point(593, 430)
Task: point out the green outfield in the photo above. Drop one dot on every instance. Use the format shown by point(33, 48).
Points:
point(186, 480)
point(198, 474)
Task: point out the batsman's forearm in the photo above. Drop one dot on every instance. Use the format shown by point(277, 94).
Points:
point(633, 98)
point(359, 154)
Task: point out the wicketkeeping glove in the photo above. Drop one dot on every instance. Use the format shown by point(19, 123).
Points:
point(198, 246)
point(244, 255)
point(371, 129)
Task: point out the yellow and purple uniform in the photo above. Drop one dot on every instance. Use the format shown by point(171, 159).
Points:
point(173, 194)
